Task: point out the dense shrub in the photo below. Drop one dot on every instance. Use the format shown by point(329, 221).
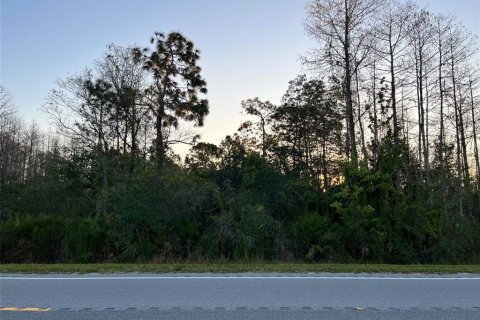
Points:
point(244, 210)
point(314, 238)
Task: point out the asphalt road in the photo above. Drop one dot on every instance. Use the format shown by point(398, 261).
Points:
point(240, 296)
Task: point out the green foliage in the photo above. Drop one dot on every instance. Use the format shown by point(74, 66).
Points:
point(314, 238)
point(84, 240)
point(267, 215)
point(290, 197)
point(249, 234)
point(378, 223)
point(32, 239)
point(177, 86)
point(15, 240)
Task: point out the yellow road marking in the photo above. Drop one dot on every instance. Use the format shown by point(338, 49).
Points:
point(29, 309)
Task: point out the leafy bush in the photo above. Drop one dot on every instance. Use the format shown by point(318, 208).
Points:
point(85, 240)
point(32, 239)
point(314, 238)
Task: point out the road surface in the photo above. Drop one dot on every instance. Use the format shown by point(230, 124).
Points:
point(240, 296)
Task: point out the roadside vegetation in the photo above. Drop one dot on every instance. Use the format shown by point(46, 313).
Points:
point(272, 267)
point(373, 161)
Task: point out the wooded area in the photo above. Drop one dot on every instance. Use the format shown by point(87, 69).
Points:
point(373, 157)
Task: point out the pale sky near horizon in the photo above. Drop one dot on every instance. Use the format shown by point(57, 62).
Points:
point(249, 47)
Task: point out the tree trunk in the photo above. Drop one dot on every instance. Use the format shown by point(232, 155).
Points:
point(394, 109)
point(440, 83)
point(460, 133)
point(326, 184)
point(419, 113)
point(426, 138)
point(264, 136)
point(159, 144)
point(348, 89)
point(375, 119)
point(463, 142)
point(393, 94)
point(475, 145)
point(362, 133)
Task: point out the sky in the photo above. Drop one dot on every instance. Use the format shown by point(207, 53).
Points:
point(249, 48)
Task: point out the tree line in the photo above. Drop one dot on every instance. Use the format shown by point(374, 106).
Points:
point(373, 156)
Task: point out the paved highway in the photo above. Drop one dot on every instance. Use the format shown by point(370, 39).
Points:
point(240, 296)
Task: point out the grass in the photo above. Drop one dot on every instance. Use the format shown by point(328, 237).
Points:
point(235, 267)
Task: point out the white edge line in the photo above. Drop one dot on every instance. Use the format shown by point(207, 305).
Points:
point(237, 278)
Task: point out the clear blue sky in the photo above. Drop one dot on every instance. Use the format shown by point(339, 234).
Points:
point(249, 47)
